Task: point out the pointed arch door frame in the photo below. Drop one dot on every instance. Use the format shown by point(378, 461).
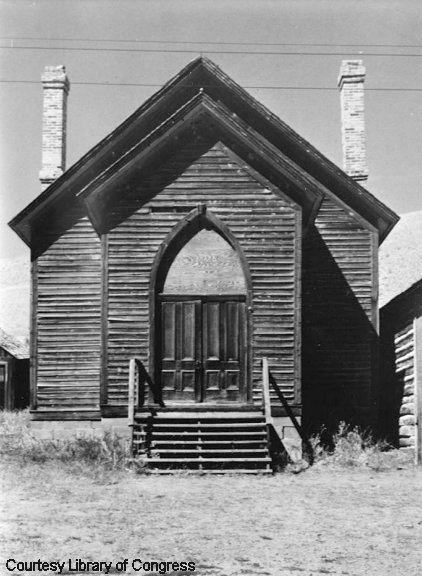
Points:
point(198, 219)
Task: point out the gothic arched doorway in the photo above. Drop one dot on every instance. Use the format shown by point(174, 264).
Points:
point(201, 324)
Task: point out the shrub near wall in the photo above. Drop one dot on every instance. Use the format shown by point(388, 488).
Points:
point(352, 447)
point(17, 441)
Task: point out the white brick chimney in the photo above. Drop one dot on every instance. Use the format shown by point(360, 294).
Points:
point(350, 82)
point(56, 88)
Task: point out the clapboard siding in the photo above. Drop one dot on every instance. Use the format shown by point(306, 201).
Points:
point(401, 383)
point(68, 321)
point(339, 325)
point(398, 377)
point(351, 246)
point(404, 345)
point(267, 228)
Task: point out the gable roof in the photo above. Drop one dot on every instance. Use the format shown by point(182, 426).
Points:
point(199, 77)
point(204, 115)
point(14, 346)
point(400, 258)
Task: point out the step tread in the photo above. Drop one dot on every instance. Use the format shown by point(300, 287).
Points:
point(263, 459)
point(212, 451)
point(211, 471)
point(212, 415)
point(261, 433)
point(235, 444)
point(219, 425)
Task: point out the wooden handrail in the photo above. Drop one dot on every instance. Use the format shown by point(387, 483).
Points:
point(131, 392)
point(267, 379)
point(266, 401)
point(138, 378)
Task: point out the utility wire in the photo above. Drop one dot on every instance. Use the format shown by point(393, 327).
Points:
point(189, 51)
point(207, 43)
point(9, 81)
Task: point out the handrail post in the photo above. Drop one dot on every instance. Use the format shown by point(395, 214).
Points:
point(266, 401)
point(131, 392)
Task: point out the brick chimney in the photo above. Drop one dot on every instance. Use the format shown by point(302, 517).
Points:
point(350, 82)
point(56, 88)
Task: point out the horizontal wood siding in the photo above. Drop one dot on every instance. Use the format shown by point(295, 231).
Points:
point(404, 345)
point(68, 324)
point(339, 313)
point(401, 353)
point(351, 245)
point(265, 226)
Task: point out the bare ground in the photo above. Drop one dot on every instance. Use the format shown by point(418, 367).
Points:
point(319, 522)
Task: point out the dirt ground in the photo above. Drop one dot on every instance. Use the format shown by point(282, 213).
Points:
point(317, 522)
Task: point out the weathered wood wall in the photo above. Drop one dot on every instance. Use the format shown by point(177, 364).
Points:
point(404, 344)
point(268, 229)
point(67, 322)
point(354, 249)
point(401, 375)
point(398, 381)
point(92, 302)
point(339, 319)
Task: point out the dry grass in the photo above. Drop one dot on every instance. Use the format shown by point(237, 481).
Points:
point(106, 452)
point(338, 520)
point(350, 447)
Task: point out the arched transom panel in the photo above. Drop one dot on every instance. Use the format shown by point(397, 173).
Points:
point(207, 264)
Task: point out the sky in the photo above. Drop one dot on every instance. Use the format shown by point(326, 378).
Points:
point(287, 53)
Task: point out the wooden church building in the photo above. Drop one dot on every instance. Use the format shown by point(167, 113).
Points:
point(206, 239)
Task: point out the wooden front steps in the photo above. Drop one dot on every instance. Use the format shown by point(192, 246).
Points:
point(203, 442)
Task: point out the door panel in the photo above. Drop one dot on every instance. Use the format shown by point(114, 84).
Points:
point(203, 350)
point(223, 351)
point(181, 350)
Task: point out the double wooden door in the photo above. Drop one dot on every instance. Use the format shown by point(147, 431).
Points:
point(202, 348)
